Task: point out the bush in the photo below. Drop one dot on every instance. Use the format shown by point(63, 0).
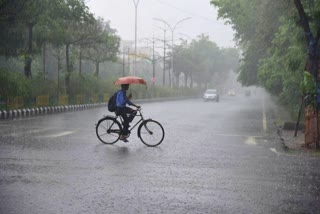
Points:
point(42, 86)
point(13, 84)
point(88, 87)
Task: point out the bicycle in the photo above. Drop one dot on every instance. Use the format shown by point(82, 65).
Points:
point(150, 132)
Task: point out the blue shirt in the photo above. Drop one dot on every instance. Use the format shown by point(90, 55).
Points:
point(122, 99)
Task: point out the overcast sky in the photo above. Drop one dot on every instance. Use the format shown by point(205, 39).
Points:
point(121, 14)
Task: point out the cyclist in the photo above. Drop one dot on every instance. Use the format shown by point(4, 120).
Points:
point(125, 112)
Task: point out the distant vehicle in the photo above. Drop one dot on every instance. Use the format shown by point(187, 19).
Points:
point(211, 94)
point(247, 93)
point(231, 93)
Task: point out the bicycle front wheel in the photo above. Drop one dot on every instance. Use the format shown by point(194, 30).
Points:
point(151, 133)
point(108, 130)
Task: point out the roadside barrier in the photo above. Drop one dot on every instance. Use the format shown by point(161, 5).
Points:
point(40, 111)
point(26, 112)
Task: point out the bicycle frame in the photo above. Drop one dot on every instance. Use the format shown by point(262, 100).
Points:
point(137, 123)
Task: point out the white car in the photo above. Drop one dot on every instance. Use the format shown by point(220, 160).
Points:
point(211, 94)
point(231, 93)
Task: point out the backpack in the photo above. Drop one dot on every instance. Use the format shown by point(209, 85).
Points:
point(112, 103)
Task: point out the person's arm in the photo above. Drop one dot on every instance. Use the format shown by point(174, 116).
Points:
point(131, 103)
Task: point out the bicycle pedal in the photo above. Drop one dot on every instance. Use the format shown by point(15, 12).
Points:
point(125, 140)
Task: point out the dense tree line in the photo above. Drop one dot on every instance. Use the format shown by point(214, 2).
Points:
point(56, 47)
point(203, 63)
point(65, 29)
point(273, 42)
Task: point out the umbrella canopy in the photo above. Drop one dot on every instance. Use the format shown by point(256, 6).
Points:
point(130, 80)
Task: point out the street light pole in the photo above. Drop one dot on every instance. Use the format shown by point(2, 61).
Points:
point(164, 58)
point(136, 2)
point(172, 35)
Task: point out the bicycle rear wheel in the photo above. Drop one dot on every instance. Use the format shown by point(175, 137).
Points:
point(108, 130)
point(151, 133)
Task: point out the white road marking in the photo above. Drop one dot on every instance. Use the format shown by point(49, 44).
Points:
point(59, 134)
point(275, 151)
point(251, 141)
point(18, 119)
point(15, 134)
point(236, 135)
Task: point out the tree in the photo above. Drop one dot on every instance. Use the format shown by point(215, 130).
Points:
point(18, 15)
point(255, 28)
point(44, 20)
point(205, 55)
point(274, 47)
point(313, 56)
point(183, 63)
point(202, 59)
point(313, 40)
point(105, 48)
point(11, 34)
point(75, 16)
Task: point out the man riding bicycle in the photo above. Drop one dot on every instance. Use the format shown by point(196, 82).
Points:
point(125, 112)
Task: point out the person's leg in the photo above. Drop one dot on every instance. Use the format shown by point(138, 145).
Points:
point(132, 113)
point(126, 121)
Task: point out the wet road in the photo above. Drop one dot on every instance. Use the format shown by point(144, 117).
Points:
point(216, 158)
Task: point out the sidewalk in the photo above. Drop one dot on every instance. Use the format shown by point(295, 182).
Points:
point(295, 144)
point(284, 128)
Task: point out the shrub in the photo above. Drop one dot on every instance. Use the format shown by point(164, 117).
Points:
point(13, 84)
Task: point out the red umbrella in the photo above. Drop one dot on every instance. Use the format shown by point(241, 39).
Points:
point(130, 80)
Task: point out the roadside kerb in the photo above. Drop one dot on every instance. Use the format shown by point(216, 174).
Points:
point(19, 113)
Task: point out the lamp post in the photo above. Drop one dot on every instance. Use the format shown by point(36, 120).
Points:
point(136, 2)
point(172, 34)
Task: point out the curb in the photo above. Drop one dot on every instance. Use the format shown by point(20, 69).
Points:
point(41, 111)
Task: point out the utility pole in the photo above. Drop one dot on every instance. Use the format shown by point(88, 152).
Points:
point(153, 65)
point(152, 59)
point(164, 55)
point(129, 60)
point(136, 2)
point(123, 62)
point(172, 29)
point(164, 58)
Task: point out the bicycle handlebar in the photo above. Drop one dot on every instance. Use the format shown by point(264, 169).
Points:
point(139, 110)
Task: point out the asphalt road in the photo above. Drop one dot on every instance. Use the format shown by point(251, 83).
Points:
point(216, 158)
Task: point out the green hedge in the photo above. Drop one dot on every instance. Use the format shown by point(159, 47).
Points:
point(92, 89)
